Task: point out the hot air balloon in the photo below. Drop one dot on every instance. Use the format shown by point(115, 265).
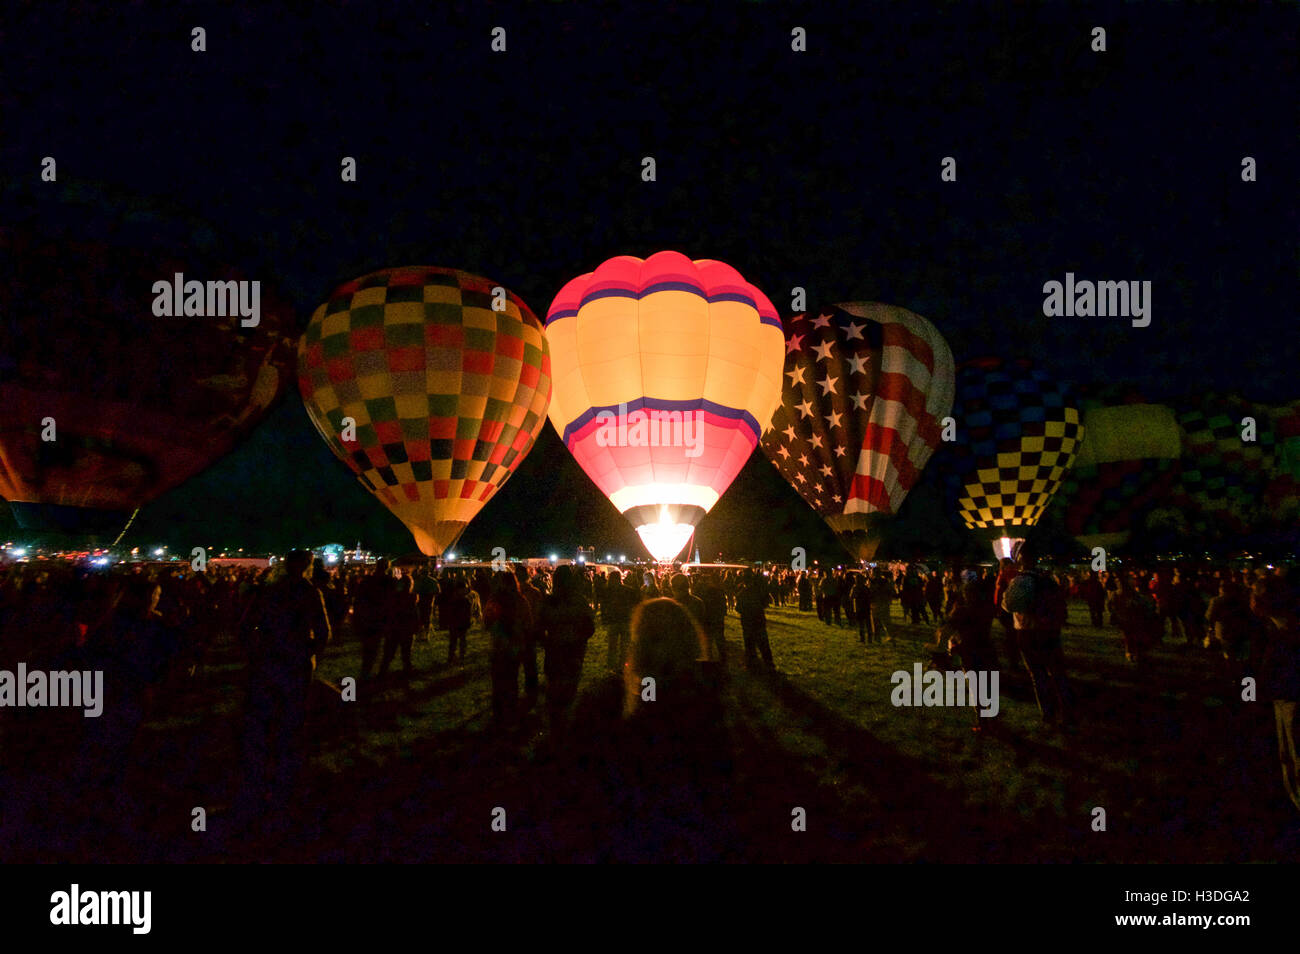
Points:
point(108, 403)
point(1018, 431)
point(1283, 494)
point(1225, 475)
point(1129, 460)
point(666, 371)
point(447, 393)
point(866, 388)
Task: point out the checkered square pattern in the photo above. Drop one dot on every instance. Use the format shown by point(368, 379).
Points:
point(1018, 432)
point(448, 395)
point(1224, 486)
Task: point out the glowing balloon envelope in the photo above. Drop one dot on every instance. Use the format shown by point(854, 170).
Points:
point(109, 399)
point(447, 394)
point(1018, 432)
point(866, 388)
point(666, 370)
point(1126, 466)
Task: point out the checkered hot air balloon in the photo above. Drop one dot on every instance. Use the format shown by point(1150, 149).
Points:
point(866, 389)
point(666, 370)
point(1018, 431)
point(1283, 494)
point(1222, 488)
point(447, 393)
point(1128, 462)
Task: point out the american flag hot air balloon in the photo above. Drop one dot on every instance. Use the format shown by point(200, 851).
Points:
point(866, 389)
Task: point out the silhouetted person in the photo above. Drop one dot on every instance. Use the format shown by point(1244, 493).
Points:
point(751, 606)
point(371, 606)
point(1278, 664)
point(403, 622)
point(509, 623)
point(457, 614)
point(1037, 604)
point(714, 621)
point(132, 650)
point(622, 597)
point(564, 627)
point(528, 653)
point(285, 627)
point(659, 743)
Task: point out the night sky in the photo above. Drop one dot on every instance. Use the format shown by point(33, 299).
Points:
point(818, 169)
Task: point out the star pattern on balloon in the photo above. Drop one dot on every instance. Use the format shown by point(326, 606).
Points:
point(834, 366)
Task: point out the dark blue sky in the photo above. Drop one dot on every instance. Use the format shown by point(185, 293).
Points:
point(818, 169)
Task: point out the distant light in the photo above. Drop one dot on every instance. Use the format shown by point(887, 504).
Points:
point(332, 558)
point(20, 551)
point(554, 558)
point(102, 561)
point(451, 556)
point(158, 552)
point(609, 558)
point(581, 558)
point(621, 558)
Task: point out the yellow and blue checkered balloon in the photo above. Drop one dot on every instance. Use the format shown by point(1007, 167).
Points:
point(1017, 433)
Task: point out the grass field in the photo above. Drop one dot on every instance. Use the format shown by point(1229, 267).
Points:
point(1184, 770)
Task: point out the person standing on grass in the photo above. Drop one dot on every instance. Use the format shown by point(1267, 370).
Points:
point(1092, 593)
point(622, 596)
point(882, 597)
point(1166, 596)
point(1036, 601)
point(285, 628)
point(832, 596)
point(1137, 617)
point(751, 605)
point(680, 587)
point(1190, 603)
point(371, 613)
point(426, 592)
point(968, 631)
point(1277, 661)
point(1007, 571)
point(860, 601)
point(804, 589)
point(533, 596)
point(509, 623)
point(403, 622)
point(934, 595)
point(457, 615)
point(714, 621)
point(564, 627)
point(1231, 622)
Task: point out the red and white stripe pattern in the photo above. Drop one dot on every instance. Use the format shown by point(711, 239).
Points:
point(865, 391)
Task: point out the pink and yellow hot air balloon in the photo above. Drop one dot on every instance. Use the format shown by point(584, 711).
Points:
point(666, 371)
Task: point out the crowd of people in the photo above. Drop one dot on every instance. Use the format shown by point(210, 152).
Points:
point(148, 626)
